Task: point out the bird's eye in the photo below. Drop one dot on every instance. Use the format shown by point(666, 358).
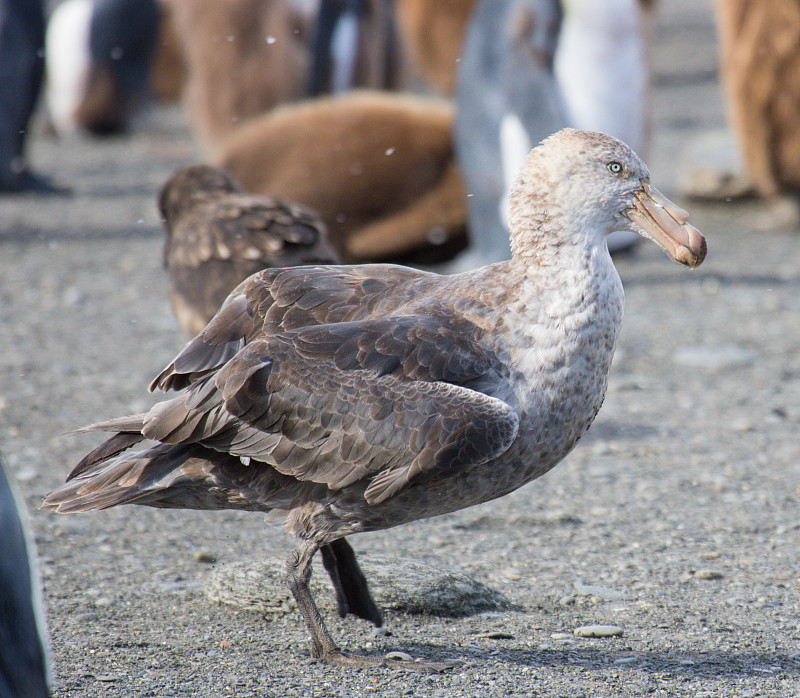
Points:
point(614, 167)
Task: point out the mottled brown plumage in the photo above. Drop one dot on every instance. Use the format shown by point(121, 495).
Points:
point(217, 236)
point(356, 398)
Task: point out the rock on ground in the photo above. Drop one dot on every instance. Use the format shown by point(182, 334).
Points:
point(397, 584)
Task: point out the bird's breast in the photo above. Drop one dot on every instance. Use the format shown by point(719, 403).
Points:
point(561, 361)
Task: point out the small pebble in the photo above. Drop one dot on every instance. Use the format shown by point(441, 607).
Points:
point(73, 296)
point(596, 590)
point(204, 556)
point(496, 635)
point(438, 541)
point(399, 657)
point(743, 424)
point(707, 574)
point(598, 631)
point(560, 636)
point(26, 474)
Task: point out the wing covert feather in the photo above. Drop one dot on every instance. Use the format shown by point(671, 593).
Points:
point(276, 300)
point(336, 427)
point(383, 400)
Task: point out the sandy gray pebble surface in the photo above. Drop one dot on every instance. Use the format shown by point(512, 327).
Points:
point(676, 519)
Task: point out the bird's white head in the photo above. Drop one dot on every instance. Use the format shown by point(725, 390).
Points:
point(579, 186)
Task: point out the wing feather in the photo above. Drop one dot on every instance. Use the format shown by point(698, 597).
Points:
point(276, 300)
point(389, 400)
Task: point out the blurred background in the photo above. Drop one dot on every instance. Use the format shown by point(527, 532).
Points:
point(400, 122)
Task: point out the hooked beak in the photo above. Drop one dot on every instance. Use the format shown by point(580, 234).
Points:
point(665, 223)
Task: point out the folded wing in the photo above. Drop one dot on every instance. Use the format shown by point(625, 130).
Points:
point(386, 401)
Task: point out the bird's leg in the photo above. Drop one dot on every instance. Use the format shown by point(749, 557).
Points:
point(329, 562)
point(349, 582)
point(299, 573)
point(323, 647)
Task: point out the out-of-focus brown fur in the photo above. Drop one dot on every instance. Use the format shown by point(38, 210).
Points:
point(433, 31)
point(379, 168)
point(103, 107)
point(168, 71)
point(760, 44)
point(243, 57)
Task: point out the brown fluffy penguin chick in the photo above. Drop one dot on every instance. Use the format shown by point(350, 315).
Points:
point(242, 56)
point(433, 31)
point(168, 70)
point(217, 236)
point(760, 59)
point(379, 168)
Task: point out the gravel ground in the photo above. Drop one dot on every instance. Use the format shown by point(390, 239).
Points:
point(676, 519)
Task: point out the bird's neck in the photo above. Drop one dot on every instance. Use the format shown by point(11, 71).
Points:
point(550, 241)
point(566, 311)
point(562, 264)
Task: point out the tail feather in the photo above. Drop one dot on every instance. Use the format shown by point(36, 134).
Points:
point(120, 479)
point(105, 451)
point(129, 433)
point(172, 475)
point(188, 476)
point(131, 422)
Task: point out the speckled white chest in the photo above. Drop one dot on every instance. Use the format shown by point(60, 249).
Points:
point(566, 332)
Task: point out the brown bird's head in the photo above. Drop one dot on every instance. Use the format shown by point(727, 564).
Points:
point(190, 186)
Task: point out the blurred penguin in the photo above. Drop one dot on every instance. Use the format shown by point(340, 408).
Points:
point(432, 32)
point(355, 44)
point(24, 667)
point(602, 70)
point(379, 168)
point(528, 69)
point(99, 54)
point(760, 61)
point(507, 101)
point(246, 57)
